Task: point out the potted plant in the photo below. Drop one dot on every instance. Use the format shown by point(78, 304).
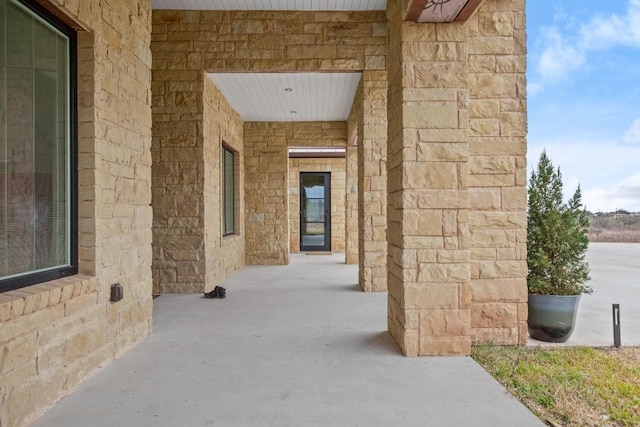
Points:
point(557, 241)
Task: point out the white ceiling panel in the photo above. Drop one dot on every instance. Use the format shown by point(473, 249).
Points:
point(287, 97)
point(306, 5)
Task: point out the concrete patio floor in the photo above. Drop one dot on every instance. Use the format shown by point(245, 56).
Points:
point(297, 345)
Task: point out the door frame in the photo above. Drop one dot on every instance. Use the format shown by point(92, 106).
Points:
point(327, 213)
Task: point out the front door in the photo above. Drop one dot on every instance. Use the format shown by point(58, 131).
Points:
point(315, 211)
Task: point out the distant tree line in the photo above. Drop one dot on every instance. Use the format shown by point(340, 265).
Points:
point(617, 226)
point(614, 213)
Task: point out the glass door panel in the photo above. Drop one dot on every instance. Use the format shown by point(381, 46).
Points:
point(315, 211)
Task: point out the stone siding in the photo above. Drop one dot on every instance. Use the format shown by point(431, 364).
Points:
point(338, 186)
point(368, 122)
point(268, 41)
point(191, 122)
point(266, 184)
point(354, 126)
point(268, 218)
point(187, 42)
point(56, 334)
point(178, 185)
point(457, 208)
point(456, 165)
point(458, 142)
point(351, 206)
point(222, 125)
point(372, 182)
point(497, 172)
point(429, 296)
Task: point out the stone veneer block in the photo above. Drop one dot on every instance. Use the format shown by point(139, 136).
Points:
point(267, 41)
point(351, 205)
point(54, 335)
point(456, 193)
point(497, 181)
point(185, 43)
point(271, 185)
point(368, 119)
point(191, 255)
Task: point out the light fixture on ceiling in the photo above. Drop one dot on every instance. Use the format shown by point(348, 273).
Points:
point(288, 89)
point(294, 112)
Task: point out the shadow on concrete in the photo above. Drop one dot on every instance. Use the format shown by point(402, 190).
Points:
point(289, 346)
point(351, 288)
point(381, 343)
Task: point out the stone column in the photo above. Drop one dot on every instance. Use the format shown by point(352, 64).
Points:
point(266, 193)
point(428, 151)
point(372, 183)
point(497, 172)
point(178, 181)
point(351, 208)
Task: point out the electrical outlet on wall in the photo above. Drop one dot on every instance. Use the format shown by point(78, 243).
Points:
point(117, 292)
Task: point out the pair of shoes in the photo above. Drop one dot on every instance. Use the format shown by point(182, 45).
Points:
point(217, 292)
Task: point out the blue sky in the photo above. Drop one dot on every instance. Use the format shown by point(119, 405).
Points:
point(584, 96)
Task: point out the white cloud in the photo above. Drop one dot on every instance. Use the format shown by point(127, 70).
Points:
point(559, 57)
point(607, 172)
point(602, 32)
point(566, 51)
point(622, 195)
point(632, 135)
point(533, 88)
point(596, 143)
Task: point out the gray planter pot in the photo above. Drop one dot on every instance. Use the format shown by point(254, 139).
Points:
point(552, 317)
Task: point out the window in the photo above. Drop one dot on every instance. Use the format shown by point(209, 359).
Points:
point(38, 220)
point(228, 191)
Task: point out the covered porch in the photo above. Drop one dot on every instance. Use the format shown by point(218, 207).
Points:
point(294, 345)
point(171, 189)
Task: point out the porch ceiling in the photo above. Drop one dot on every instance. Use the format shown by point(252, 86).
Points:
point(313, 96)
point(289, 97)
point(418, 10)
point(305, 5)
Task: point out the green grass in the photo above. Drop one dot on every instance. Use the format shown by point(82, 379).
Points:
point(569, 386)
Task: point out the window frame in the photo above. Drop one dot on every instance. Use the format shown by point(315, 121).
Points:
point(226, 149)
point(28, 279)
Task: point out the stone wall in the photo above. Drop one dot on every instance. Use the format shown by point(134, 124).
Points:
point(372, 182)
point(267, 182)
point(456, 153)
point(178, 183)
point(222, 125)
point(354, 126)
point(457, 208)
point(338, 186)
point(368, 122)
point(351, 206)
point(497, 172)
point(192, 120)
point(269, 41)
point(56, 334)
point(429, 271)
point(186, 42)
